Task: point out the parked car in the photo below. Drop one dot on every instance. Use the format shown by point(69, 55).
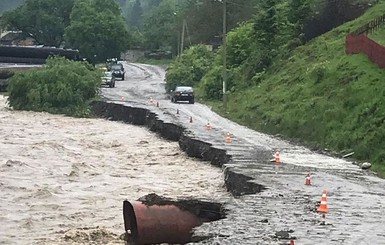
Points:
point(108, 79)
point(118, 71)
point(183, 93)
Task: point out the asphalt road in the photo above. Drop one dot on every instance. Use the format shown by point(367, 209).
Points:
point(286, 209)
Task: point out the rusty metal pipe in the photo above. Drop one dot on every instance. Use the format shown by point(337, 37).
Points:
point(157, 224)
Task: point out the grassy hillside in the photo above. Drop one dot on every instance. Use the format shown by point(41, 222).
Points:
point(322, 96)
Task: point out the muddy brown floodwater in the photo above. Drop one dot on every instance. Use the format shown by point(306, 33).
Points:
point(63, 180)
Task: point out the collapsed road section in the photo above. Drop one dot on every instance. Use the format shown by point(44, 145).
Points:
point(236, 182)
point(286, 209)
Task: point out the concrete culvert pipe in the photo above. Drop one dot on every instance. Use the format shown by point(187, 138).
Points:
point(158, 220)
point(157, 224)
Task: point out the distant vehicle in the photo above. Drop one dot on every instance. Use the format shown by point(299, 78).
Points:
point(118, 71)
point(101, 68)
point(108, 79)
point(110, 62)
point(183, 93)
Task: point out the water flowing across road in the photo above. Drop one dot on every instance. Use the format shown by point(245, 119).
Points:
point(286, 209)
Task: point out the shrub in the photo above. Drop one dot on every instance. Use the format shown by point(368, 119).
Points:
point(61, 86)
point(319, 71)
point(190, 67)
point(5, 74)
point(240, 44)
point(212, 83)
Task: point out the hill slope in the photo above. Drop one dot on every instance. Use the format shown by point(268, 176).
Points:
point(322, 96)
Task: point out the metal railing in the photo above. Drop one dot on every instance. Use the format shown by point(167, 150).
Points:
point(369, 27)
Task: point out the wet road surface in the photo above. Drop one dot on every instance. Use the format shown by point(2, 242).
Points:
point(286, 209)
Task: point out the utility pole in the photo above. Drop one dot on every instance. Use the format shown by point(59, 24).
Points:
point(182, 37)
point(178, 43)
point(224, 75)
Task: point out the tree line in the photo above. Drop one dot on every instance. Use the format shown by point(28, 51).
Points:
point(95, 27)
point(9, 4)
point(268, 33)
point(102, 29)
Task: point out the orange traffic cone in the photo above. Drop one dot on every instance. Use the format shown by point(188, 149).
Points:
point(228, 138)
point(323, 208)
point(191, 120)
point(277, 157)
point(208, 126)
point(307, 180)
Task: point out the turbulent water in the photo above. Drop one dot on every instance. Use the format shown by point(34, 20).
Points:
point(63, 180)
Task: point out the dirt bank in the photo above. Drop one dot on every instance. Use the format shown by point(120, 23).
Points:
point(63, 180)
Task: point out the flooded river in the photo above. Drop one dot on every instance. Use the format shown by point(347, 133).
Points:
point(63, 180)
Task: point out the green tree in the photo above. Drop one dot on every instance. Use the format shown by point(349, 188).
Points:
point(205, 18)
point(43, 20)
point(137, 39)
point(97, 29)
point(190, 67)
point(159, 26)
point(61, 86)
point(153, 3)
point(266, 24)
point(245, 56)
point(122, 2)
point(136, 14)
point(9, 4)
point(298, 12)
point(266, 30)
point(240, 44)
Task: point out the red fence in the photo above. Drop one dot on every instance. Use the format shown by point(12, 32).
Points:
point(363, 44)
point(357, 42)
